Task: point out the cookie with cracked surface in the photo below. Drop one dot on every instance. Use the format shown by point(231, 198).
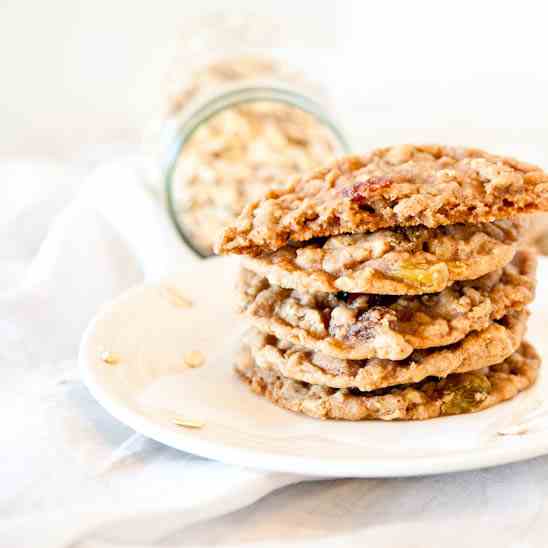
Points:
point(477, 350)
point(359, 326)
point(401, 261)
point(456, 394)
point(402, 185)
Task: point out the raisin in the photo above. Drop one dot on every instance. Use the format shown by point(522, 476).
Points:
point(465, 397)
point(343, 296)
point(369, 321)
point(361, 191)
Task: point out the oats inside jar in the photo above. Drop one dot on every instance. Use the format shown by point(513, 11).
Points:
point(237, 155)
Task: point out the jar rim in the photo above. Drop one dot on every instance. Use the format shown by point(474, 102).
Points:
point(182, 130)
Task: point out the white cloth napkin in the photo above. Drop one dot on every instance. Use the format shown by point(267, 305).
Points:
point(67, 468)
point(71, 475)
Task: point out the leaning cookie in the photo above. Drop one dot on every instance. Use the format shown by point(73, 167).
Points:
point(456, 394)
point(397, 186)
point(480, 349)
point(400, 261)
point(359, 326)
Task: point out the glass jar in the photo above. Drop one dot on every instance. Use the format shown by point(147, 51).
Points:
point(239, 123)
point(208, 181)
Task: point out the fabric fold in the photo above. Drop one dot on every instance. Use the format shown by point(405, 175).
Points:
point(68, 467)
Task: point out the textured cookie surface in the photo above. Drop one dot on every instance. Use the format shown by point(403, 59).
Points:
point(456, 394)
point(397, 186)
point(359, 326)
point(479, 349)
point(409, 261)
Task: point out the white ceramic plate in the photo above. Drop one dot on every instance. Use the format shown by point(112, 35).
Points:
point(150, 386)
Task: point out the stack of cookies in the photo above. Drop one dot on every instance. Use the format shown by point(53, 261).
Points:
point(391, 285)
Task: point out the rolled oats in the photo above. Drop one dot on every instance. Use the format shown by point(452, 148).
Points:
point(237, 156)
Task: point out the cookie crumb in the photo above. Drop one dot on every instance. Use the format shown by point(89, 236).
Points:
point(188, 423)
point(514, 431)
point(176, 298)
point(110, 358)
point(194, 358)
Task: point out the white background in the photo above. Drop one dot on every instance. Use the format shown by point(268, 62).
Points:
point(79, 72)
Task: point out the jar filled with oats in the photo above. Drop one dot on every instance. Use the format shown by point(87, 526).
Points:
point(239, 122)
